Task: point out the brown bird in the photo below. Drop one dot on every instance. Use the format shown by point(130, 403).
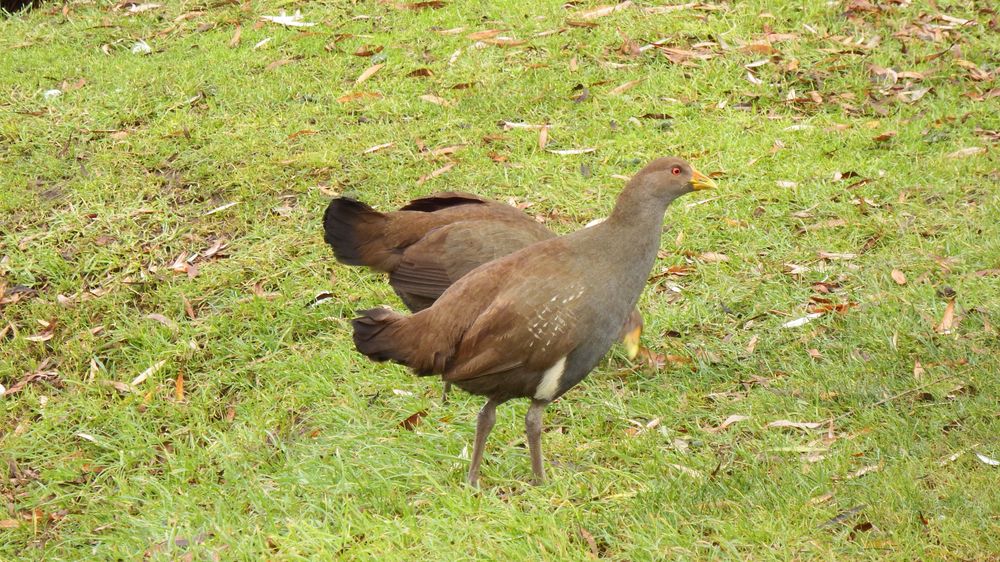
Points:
point(431, 242)
point(534, 323)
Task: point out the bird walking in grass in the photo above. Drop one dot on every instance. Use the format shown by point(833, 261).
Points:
point(533, 324)
point(431, 242)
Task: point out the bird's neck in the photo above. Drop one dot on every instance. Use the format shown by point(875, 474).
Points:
point(636, 221)
point(638, 215)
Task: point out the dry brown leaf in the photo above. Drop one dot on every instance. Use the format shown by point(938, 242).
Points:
point(918, 370)
point(485, 34)
point(179, 387)
point(898, 276)
point(965, 152)
point(436, 173)
point(436, 100)
point(9, 523)
point(726, 423)
point(625, 87)
point(377, 148)
point(884, 136)
point(713, 257)
point(602, 11)
point(752, 344)
point(413, 421)
point(353, 96)
point(572, 151)
point(862, 471)
point(505, 42)
point(162, 320)
point(445, 150)
point(235, 41)
point(368, 73)
point(543, 137)
point(947, 319)
point(278, 63)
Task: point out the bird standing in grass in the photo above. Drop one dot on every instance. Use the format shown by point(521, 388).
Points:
point(533, 324)
point(433, 241)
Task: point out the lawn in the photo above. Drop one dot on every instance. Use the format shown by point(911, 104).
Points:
point(823, 368)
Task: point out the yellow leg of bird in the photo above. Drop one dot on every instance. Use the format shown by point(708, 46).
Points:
point(484, 424)
point(533, 429)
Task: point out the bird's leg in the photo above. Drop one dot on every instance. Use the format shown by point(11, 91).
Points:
point(484, 424)
point(533, 428)
point(444, 393)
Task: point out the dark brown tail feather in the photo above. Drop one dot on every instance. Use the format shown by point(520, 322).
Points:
point(384, 335)
point(350, 227)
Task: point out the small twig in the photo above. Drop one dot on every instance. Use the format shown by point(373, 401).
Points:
point(895, 396)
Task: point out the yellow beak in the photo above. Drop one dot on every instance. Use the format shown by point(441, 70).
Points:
point(631, 342)
point(700, 181)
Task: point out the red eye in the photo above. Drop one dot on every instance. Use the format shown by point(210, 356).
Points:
point(676, 171)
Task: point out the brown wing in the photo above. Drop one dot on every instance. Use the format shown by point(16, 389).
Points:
point(530, 325)
point(430, 266)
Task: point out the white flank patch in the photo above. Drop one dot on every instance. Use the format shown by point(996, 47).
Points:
point(550, 381)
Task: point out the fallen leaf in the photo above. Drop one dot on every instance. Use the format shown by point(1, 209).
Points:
point(9, 523)
point(436, 100)
point(368, 73)
point(179, 387)
point(918, 370)
point(413, 421)
point(445, 150)
point(947, 319)
point(378, 147)
point(686, 470)
point(786, 184)
point(987, 460)
point(485, 34)
point(235, 41)
point(728, 422)
point(573, 151)
point(278, 63)
point(884, 136)
point(898, 276)
point(436, 173)
point(821, 499)
point(595, 553)
point(86, 437)
point(153, 369)
point(162, 320)
point(543, 137)
point(836, 256)
point(863, 471)
point(617, 91)
point(353, 96)
point(752, 344)
point(965, 152)
point(602, 11)
point(796, 425)
point(713, 257)
point(802, 321)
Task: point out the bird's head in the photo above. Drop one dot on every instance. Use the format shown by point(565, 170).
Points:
point(673, 176)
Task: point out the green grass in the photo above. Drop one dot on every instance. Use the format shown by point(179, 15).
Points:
point(287, 443)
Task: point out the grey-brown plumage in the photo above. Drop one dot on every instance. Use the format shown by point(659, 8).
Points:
point(534, 323)
point(432, 242)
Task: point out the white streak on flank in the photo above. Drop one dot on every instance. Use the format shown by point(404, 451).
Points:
point(550, 381)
